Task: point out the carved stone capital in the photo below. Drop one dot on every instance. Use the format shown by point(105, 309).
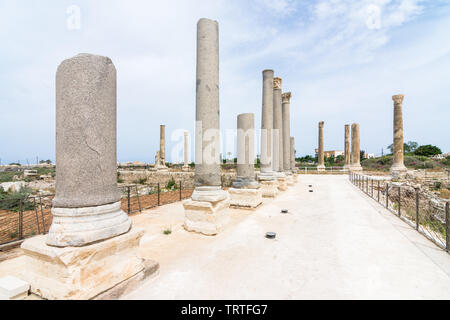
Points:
point(277, 83)
point(286, 97)
point(321, 123)
point(398, 99)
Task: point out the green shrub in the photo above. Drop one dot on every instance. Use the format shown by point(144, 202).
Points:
point(427, 150)
point(171, 184)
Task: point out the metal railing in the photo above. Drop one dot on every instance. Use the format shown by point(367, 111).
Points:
point(410, 205)
point(327, 170)
point(28, 216)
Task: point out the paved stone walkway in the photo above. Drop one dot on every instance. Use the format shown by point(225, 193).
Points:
point(336, 243)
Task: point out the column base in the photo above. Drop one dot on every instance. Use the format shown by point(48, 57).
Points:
point(81, 273)
point(295, 175)
point(355, 168)
point(282, 182)
point(269, 188)
point(245, 198)
point(161, 168)
point(207, 211)
point(290, 179)
point(398, 171)
point(76, 227)
point(185, 168)
point(321, 167)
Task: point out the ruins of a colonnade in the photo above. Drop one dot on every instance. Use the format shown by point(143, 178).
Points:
point(161, 155)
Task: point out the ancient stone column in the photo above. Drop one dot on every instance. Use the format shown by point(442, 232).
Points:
point(206, 211)
point(356, 149)
point(245, 191)
point(267, 126)
point(277, 126)
point(86, 174)
point(286, 97)
point(278, 135)
point(90, 246)
point(347, 152)
point(286, 141)
point(320, 154)
point(292, 157)
point(161, 163)
point(398, 167)
point(186, 151)
point(266, 176)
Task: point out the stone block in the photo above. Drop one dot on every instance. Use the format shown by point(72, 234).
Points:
point(79, 273)
point(245, 198)
point(208, 217)
point(12, 288)
point(269, 188)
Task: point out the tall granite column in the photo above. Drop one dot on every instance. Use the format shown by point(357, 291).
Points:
point(286, 98)
point(266, 176)
point(277, 126)
point(206, 211)
point(347, 152)
point(286, 141)
point(90, 247)
point(86, 165)
point(161, 164)
point(278, 135)
point(186, 151)
point(398, 167)
point(320, 154)
point(245, 191)
point(356, 149)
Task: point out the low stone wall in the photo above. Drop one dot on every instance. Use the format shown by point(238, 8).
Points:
point(163, 177)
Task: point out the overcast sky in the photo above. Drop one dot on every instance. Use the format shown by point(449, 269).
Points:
point(342, 61)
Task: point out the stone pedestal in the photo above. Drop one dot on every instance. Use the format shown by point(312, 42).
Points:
point(398, 168)
point(81, 272)
point(356, 149)
point(320, 154)
point(282, 181)
point(290, 179)
point(207, 211)
point(245, 197)
point(269, 188)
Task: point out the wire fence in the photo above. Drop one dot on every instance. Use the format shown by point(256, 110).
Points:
point(25, 217)
point(326, 170)
point(428, 217)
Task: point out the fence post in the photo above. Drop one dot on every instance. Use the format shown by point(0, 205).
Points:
point(42, 214)
point(372, 188)
point(447, 225)
point(36, 214)
point(158, 196)
point(139, 201)
point(387, 195)
point(180, 192)
point(128, 196)
point(20, 220)
point(399, 200)
point(417, 208)
point(378, 190)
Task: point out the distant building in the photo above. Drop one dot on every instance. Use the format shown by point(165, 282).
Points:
point(332, 153)
point(369, 156)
